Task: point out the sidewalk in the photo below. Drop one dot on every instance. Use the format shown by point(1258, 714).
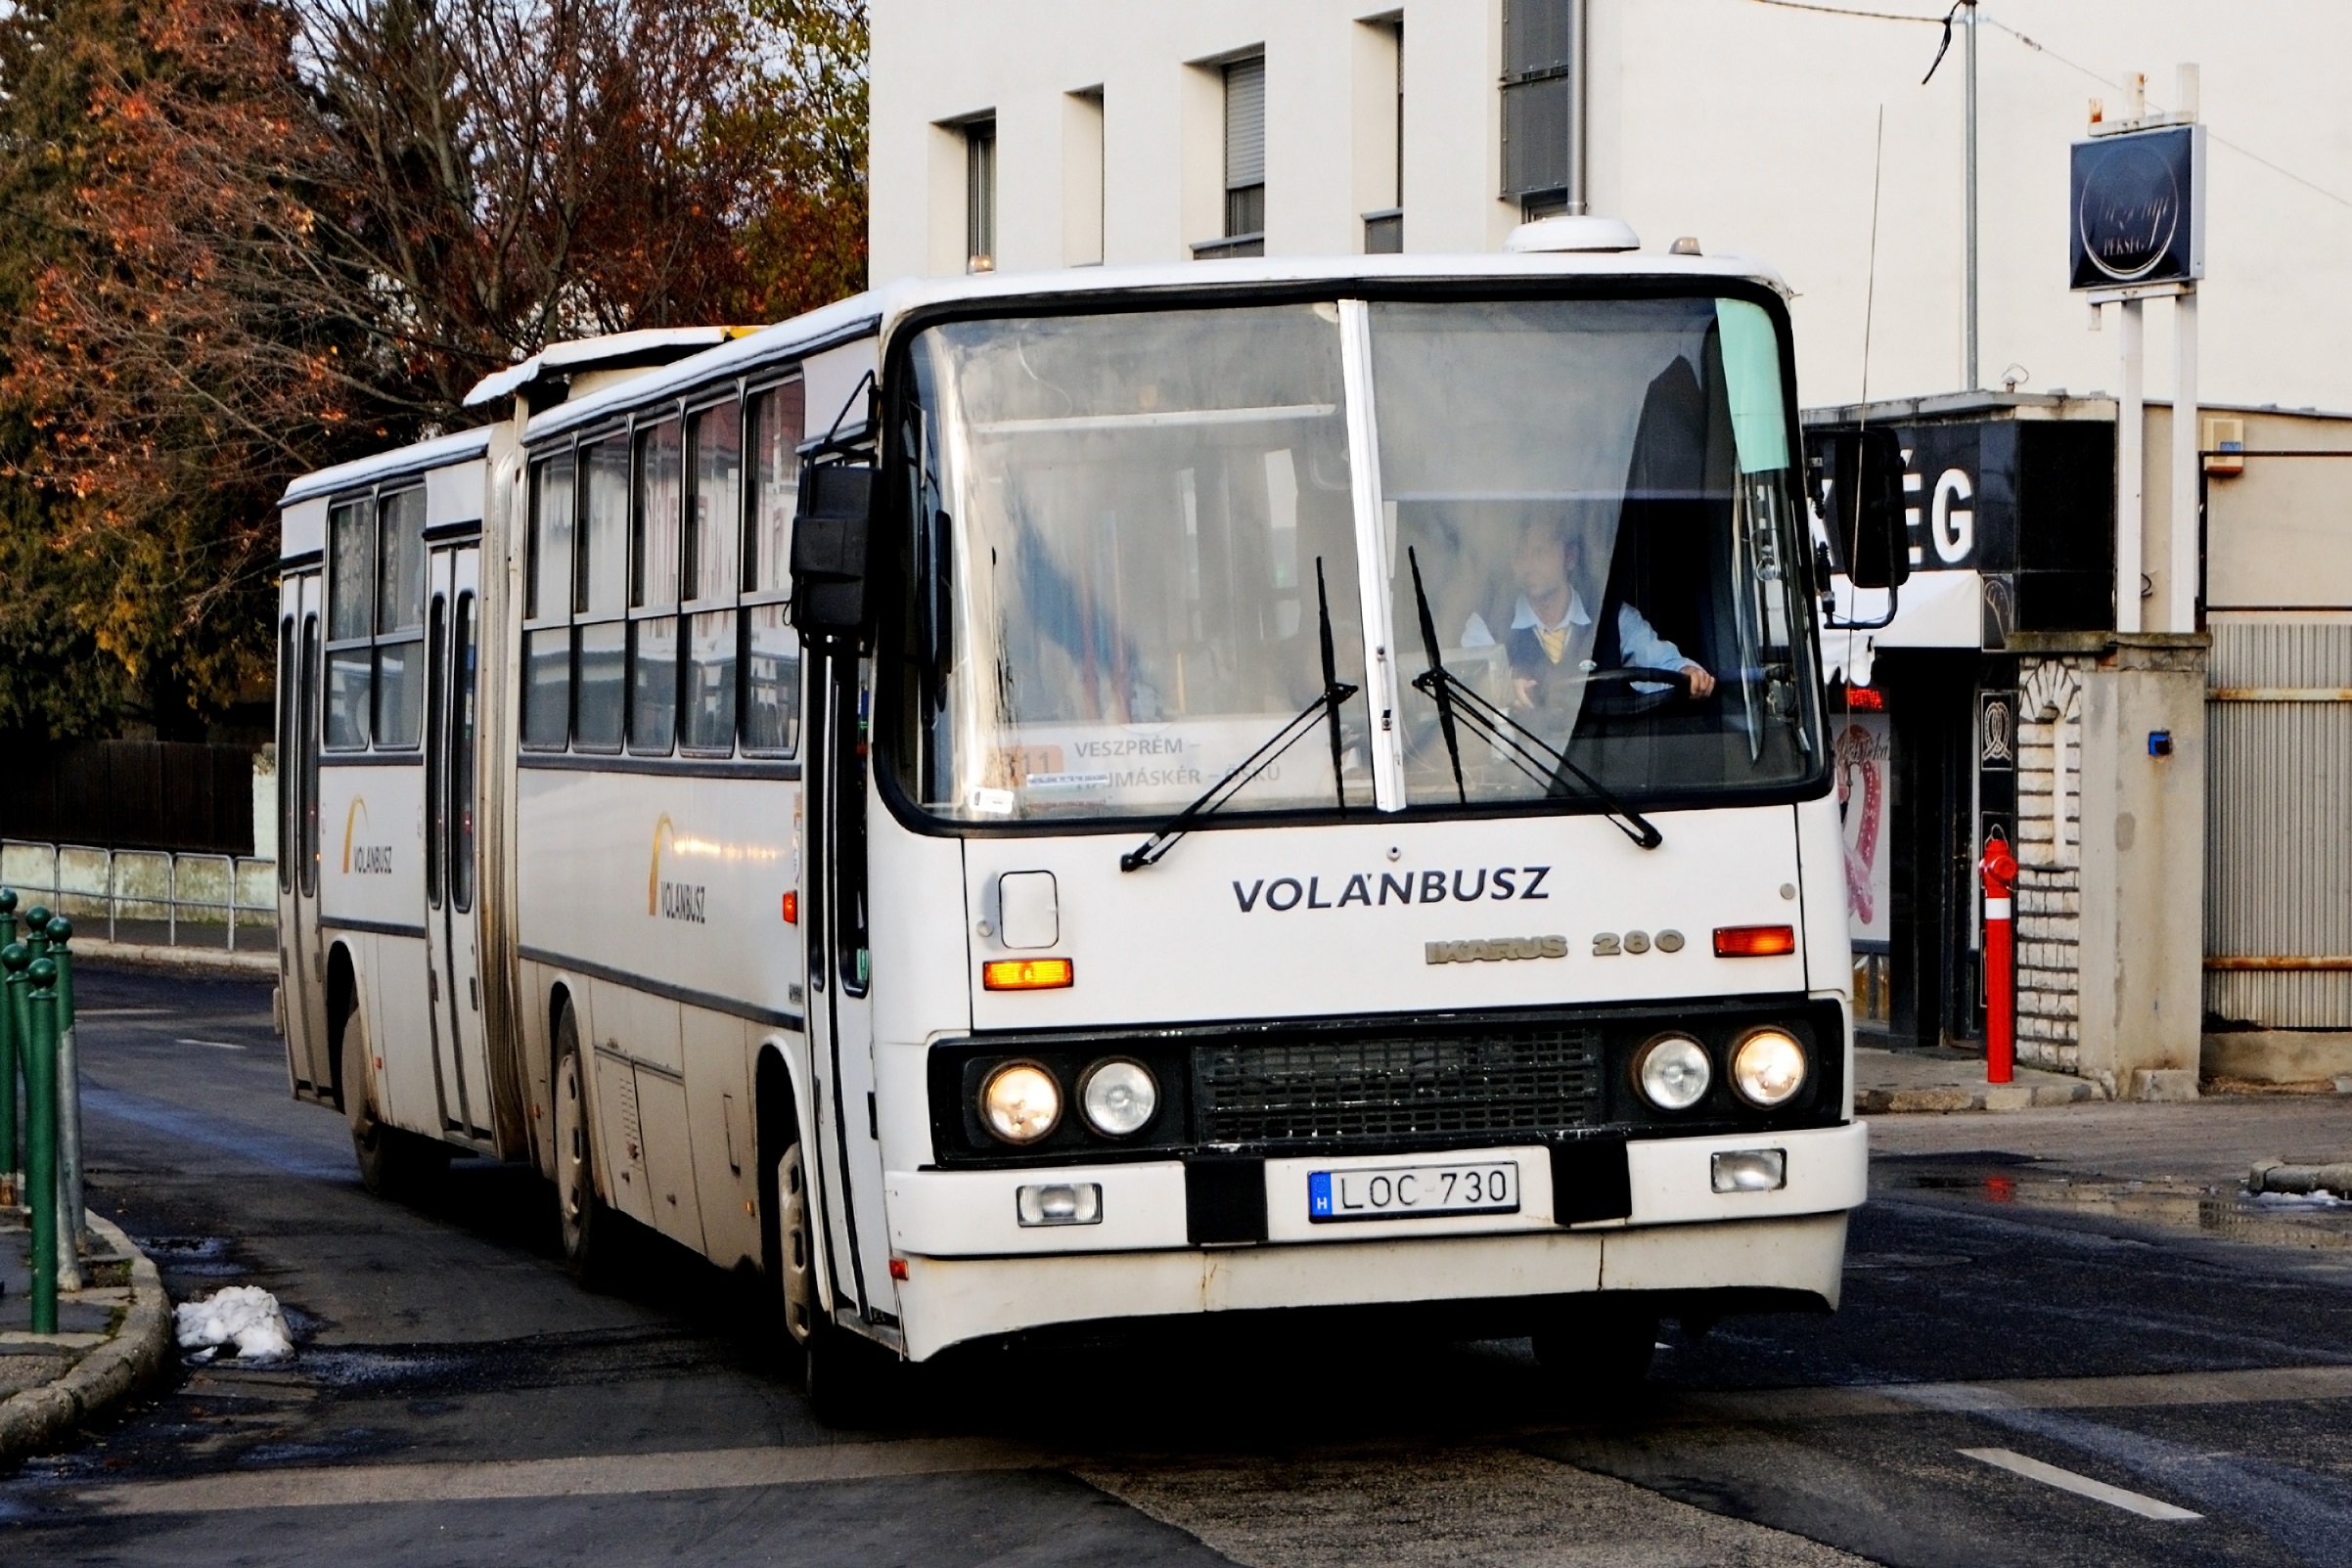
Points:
point(114, 1335)
point(1890, 1083)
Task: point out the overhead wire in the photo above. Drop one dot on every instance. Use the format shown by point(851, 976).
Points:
point(2038, 47)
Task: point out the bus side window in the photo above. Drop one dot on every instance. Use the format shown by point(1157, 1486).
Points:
point(547, 607)
point(350, 623)
point(602, 705)
point(769, 712)
point(399, 673)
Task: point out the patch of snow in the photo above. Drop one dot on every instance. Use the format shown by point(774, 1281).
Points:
point(245, 1316)
point(2319, 1199)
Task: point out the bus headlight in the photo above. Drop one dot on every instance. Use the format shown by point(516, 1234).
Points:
point(1021, 1103)
point(1768, 1069)
point(1119, 1097)
point(1674, 1073)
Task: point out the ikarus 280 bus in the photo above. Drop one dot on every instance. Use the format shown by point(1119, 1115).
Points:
point(1021, 801)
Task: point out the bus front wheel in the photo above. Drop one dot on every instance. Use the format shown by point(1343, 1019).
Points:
point(584, 1221)
point(392, 1164)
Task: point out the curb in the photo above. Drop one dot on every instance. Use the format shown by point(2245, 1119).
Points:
point(40, 1419)
point(1945, 1099)
point(215, 961)
point(2334, 1180)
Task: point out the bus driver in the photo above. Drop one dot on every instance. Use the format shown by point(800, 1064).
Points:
point(1551, 615)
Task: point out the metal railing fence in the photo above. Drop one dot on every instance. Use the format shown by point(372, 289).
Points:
point(149, 897)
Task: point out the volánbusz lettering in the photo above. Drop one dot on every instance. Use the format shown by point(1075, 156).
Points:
point(1470, 884)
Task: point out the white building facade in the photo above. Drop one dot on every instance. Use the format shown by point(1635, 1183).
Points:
point(1753, 126)
point(1038, 134)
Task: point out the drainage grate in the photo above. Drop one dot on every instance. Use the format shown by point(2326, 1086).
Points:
point(1509, 1082)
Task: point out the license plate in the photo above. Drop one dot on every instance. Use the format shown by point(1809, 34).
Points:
point(1413, 1192)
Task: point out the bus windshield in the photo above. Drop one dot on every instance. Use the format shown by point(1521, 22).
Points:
point(1577, 515)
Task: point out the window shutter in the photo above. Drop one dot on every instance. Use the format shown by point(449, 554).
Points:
point(1538, 60)
point(1245, 123)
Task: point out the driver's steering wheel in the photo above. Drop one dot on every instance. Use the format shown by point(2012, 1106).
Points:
point(1628, 702)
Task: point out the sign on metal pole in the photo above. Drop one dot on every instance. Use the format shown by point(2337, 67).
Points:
point(2138, 200)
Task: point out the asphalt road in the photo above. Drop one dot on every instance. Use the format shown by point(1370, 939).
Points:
point(2037, 1305)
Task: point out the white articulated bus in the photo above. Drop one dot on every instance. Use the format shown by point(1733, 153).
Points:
point(1011, 802)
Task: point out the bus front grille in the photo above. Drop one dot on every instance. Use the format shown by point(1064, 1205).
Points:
point(1501, 1082)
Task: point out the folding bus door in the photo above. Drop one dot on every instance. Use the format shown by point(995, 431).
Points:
point(301, 949)
point(840, 1027)
point(452, 740)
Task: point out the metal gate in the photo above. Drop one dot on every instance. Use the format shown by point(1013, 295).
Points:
point(2279, 824)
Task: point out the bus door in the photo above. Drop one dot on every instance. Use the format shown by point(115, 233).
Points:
point(453, 724)
point(302, 949)
point(840, 1031)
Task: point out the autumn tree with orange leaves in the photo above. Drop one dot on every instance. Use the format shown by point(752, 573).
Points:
point(262, 237)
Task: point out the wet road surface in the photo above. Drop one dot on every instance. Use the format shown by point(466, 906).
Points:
point(2068, 1337)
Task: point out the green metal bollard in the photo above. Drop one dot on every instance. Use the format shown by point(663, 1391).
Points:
point(40, 1142)
point(11, 1157)
point(72, 1221)
point(14, 958)
point(36, 930)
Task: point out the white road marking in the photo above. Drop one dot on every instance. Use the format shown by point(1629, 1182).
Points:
point(216, 1045)
point(119, 1012)
point(2082, 1486)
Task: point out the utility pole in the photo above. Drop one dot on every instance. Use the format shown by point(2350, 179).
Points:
point(1968, 39)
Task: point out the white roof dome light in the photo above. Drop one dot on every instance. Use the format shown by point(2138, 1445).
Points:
point(1573, 234)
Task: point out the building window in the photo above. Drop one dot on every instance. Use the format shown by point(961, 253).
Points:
point(1539, 105)
point(979, 195)
point(1245, 160)
point(1384, 227)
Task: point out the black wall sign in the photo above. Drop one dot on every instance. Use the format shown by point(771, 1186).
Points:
point(2136, 208)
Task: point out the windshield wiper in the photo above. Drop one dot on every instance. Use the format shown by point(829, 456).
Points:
point(1326, 705)
point(1519, 745)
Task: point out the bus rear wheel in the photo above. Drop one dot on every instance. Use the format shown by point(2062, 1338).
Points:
point(585, 1224)
point(393, 1163)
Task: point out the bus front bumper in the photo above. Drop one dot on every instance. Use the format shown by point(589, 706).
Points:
point(974, 1271)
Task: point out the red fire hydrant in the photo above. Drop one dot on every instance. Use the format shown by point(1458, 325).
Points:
point(2000, 870)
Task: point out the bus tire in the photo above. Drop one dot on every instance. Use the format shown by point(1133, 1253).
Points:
point(393, 1163)
point(585, 1225)
point(1600, 1350)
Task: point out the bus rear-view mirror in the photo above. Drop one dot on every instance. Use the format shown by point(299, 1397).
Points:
point(828, 549)
point(1865, 496)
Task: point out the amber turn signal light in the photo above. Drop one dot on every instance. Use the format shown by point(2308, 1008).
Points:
point(1754, 941)
point(1026, 974)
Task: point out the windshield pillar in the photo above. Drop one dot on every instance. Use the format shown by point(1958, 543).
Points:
point(1373, 545)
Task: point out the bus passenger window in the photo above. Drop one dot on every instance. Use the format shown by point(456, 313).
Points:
point(602, 671)
point(771, 682)
point(771, 653)
point(710, 718)
point(400, 676)
point(549, 587)
point(603, 692)
point(603, 554)
point(350, 619)
point(550, 584)
point(775, 417)
point(547, 688)
point(654, 585)
point(653, 684)
point(715, 531)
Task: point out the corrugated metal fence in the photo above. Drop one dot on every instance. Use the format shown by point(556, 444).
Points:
point(2279, 824)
